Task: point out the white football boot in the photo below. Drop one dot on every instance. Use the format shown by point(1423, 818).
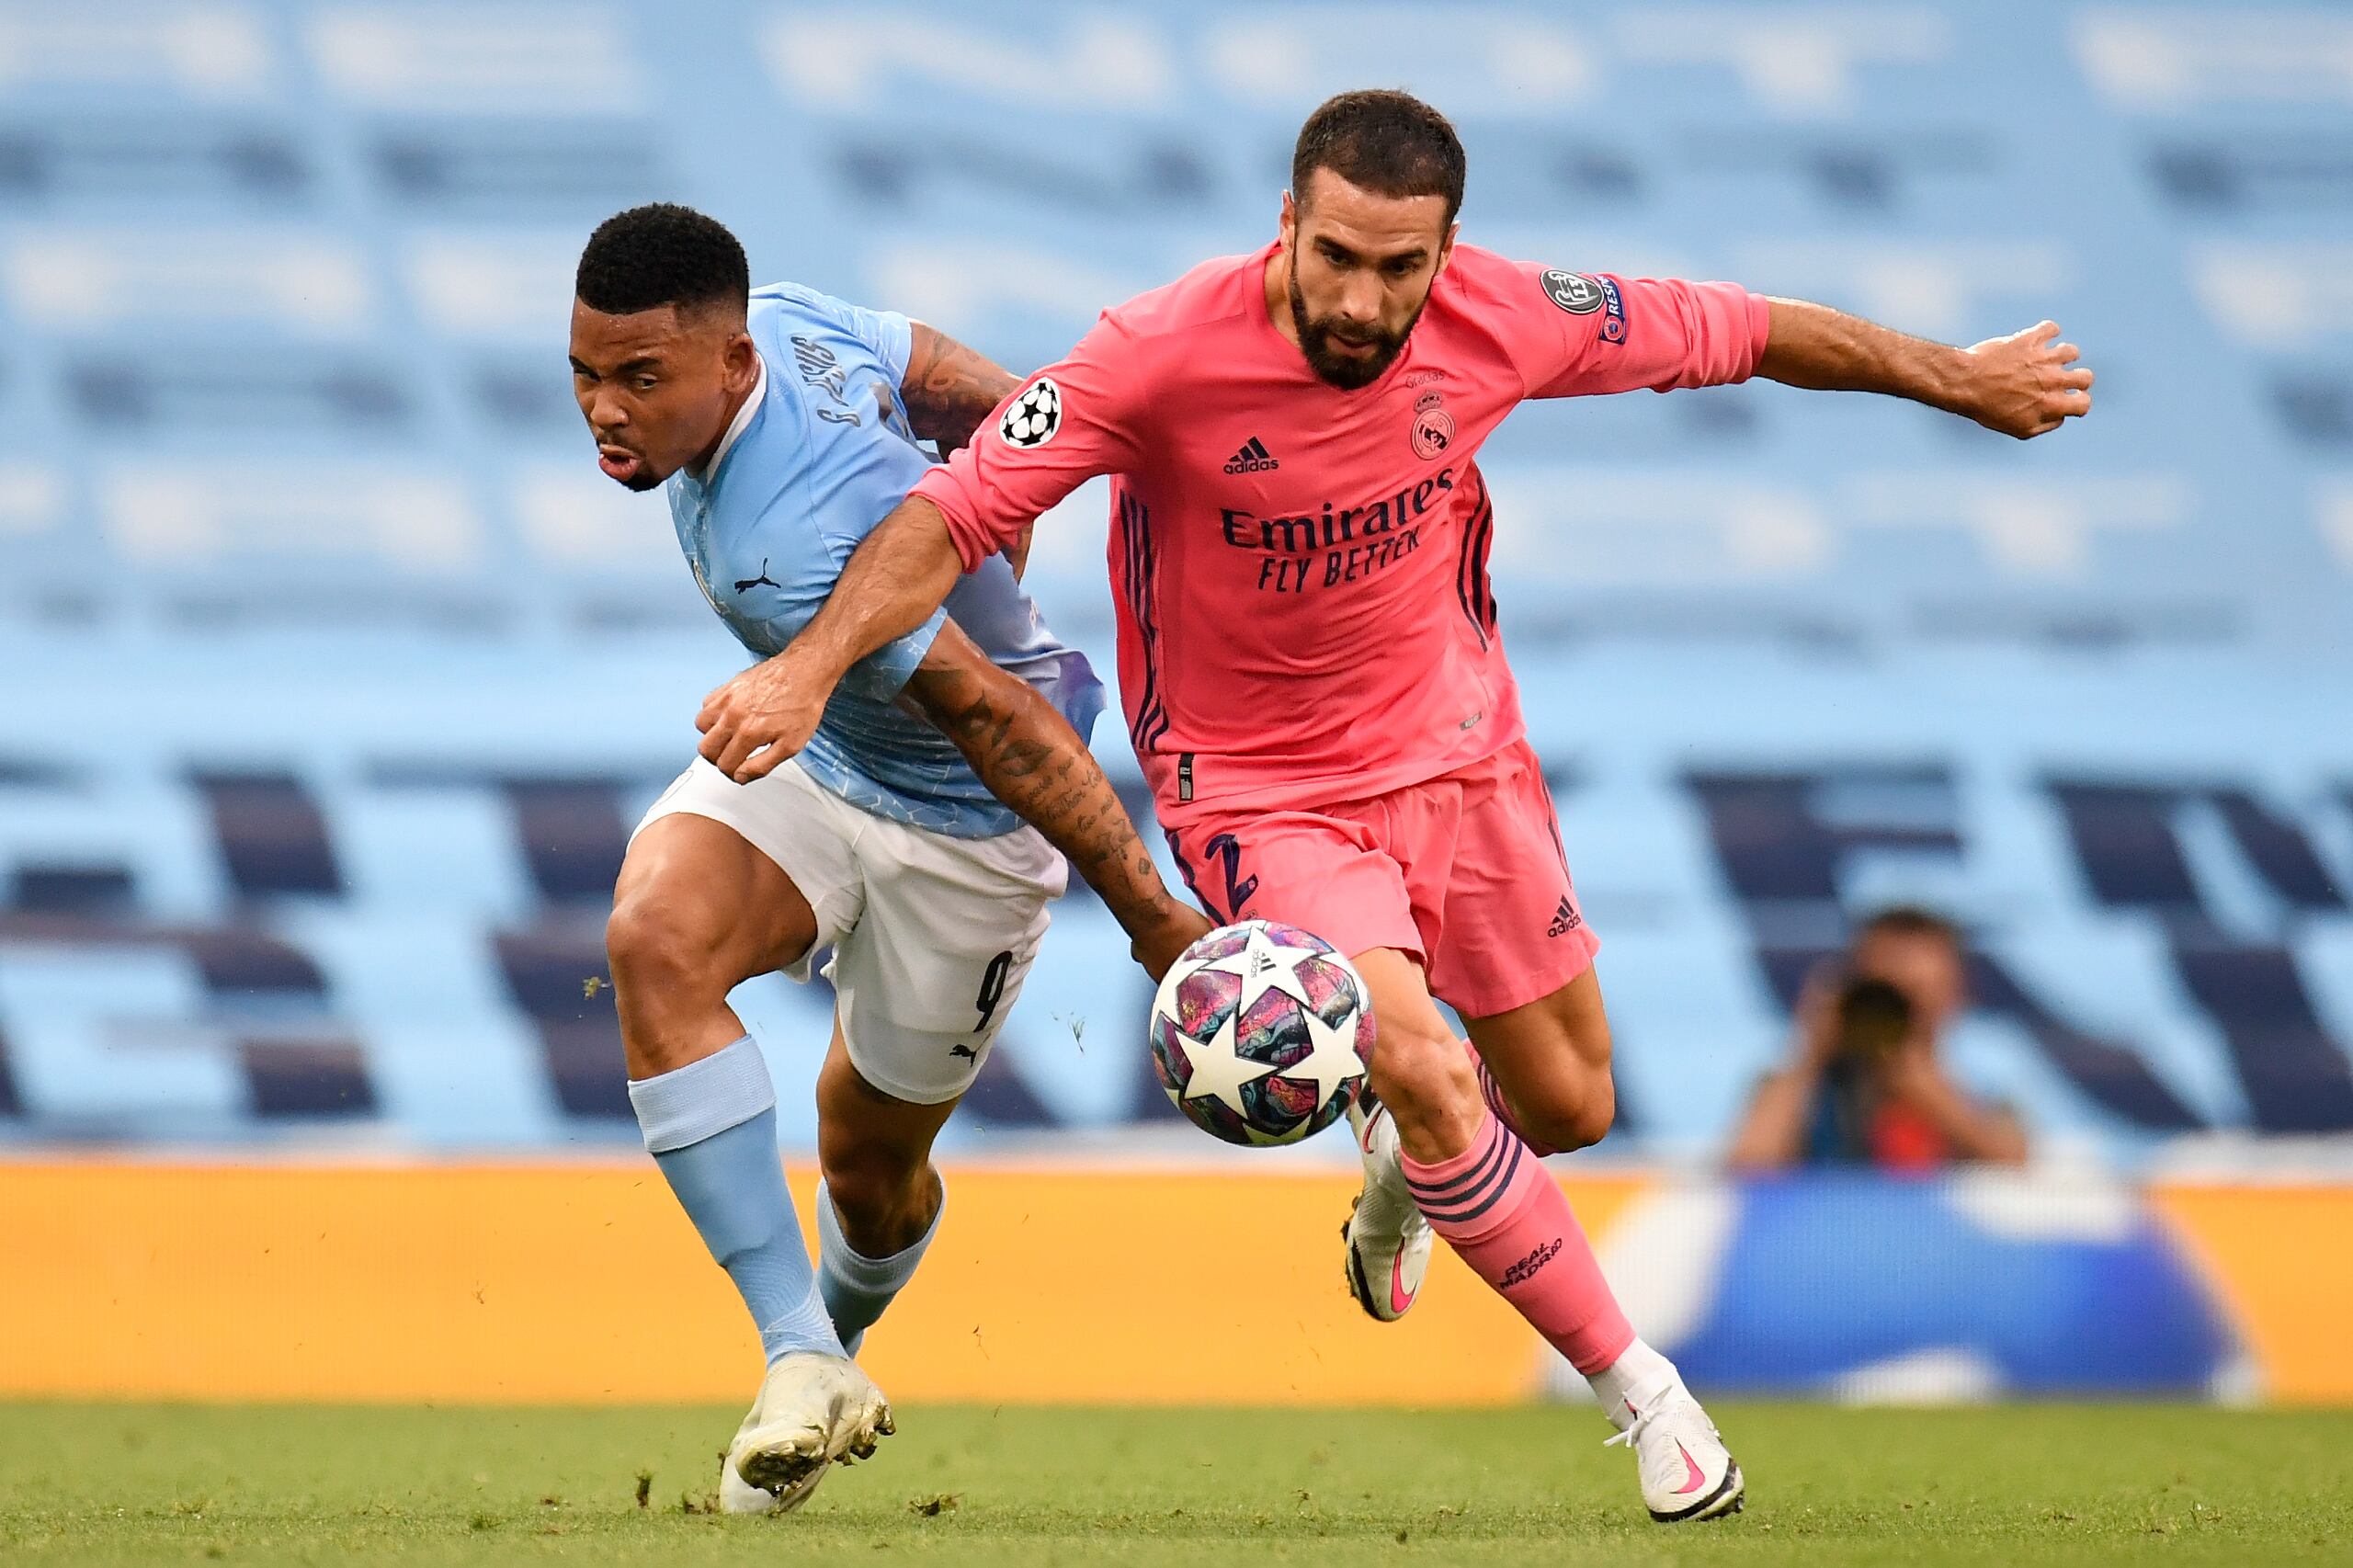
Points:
point(813, 1409)
point(1388, 1240)
point(737, 1496)
point(1687, 1471)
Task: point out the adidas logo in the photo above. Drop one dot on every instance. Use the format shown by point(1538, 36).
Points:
point(1566, 919)
point(1252, 458)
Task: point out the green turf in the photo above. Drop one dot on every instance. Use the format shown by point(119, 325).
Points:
point(121, 1483)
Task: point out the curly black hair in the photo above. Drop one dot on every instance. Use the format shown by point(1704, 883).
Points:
point(659, 254)
point(1389, 143)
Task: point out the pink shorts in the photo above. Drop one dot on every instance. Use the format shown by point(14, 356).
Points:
point(1464, 872)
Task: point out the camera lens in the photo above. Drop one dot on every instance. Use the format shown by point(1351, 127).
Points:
point(1873, 1016)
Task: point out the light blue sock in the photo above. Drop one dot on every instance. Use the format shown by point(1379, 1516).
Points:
point(857, 1288)
point(710, 1125)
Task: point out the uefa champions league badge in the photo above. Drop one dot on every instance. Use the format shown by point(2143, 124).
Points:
point(1031, 419)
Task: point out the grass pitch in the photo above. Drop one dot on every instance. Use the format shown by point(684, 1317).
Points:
point(143, 1484)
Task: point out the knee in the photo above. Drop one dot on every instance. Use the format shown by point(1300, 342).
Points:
point(1425, 1079)
point(656, 947)
point(1421, 1065)
point(1571, 1115)
point(670, 980)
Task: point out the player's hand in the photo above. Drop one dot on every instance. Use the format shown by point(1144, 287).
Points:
point(770, 710)
point(2026, 385)
point(1160, 946)
point(1815, 1036)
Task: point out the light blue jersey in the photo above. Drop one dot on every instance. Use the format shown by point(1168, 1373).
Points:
point(819, 457)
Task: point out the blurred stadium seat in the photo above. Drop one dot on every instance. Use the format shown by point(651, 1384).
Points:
point(335, 673)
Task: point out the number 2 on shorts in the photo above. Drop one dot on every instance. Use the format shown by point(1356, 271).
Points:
point(1226, 849)
point(993, 987)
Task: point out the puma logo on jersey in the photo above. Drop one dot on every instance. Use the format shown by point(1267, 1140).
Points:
point(966, 1051)
point(745, 585)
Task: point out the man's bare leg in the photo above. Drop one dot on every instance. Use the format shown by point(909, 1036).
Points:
point(879, 1199)
point(697, 911)
point(1488, 1195)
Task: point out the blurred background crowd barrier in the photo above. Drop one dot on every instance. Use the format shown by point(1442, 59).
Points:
point(332, 673)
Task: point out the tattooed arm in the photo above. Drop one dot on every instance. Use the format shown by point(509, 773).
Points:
point(1032, 760)
point(949, 391)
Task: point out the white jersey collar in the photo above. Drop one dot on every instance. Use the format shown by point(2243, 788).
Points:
point(736, 425)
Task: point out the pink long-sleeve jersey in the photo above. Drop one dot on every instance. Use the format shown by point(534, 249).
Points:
point(1305, 614)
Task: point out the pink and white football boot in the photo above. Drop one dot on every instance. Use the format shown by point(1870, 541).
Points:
point(1388, 1240)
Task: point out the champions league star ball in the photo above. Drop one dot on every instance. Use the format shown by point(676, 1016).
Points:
point(1259, 1033)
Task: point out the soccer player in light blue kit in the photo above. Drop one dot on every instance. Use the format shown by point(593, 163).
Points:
point(919, 835)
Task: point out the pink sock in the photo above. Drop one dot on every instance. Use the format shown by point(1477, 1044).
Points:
point(1493, 1093)
point(1500, 1209)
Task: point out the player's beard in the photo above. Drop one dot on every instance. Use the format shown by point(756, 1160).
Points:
point(1340, 369)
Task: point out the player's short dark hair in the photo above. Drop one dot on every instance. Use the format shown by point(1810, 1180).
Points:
point(1389, 143)
point(1912, 920)
point(659, 254)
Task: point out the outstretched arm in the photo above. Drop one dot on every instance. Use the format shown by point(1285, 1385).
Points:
point(1072, 421)
point(1032, 759)
point(892, 582)
point(2024, 385)
point(1583, 334)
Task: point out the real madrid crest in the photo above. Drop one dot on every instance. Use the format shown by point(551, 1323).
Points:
point(1433, 425)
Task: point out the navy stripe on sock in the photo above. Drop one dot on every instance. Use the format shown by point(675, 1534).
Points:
point(1424, 1192)
point(1493, 1093)
point(1476, 1204)
point(1492, 1171)
point(1495, 1178)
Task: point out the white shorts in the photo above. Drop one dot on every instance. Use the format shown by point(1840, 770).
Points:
point(932, 936)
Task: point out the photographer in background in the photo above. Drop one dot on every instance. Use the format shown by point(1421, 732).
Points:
point(1863, 1084)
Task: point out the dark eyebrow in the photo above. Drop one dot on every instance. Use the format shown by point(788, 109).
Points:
point(642, 362)
point(1413, 257)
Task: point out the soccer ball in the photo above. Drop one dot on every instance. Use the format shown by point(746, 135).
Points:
point(1031, 419)
point(1259, 1033)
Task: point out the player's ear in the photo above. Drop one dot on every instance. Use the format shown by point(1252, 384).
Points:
point(741, 360)
point(1445, 248)
point(1287, 230)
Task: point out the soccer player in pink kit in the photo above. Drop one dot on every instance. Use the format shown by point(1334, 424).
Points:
point(1313, 677)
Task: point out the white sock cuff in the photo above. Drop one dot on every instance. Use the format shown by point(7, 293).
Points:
point(837, 1257)
point(1639, 1376)
point(702, 1099)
